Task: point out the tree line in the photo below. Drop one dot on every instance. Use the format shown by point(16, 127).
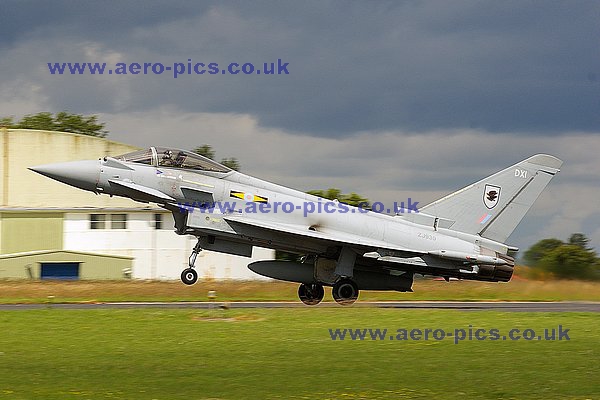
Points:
point(61, 121)
point(573, 259)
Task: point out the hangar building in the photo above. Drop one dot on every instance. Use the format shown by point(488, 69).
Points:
point(51, 230)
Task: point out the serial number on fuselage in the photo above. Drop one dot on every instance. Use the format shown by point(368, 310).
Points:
point(426, 236)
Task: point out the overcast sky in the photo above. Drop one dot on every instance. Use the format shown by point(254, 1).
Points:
point(388, 99)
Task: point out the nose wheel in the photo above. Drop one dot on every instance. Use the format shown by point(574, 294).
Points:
point(189, 276)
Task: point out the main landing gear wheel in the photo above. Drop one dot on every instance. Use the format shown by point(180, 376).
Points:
point(345, 292)
point(311, 294)
point(189, 276)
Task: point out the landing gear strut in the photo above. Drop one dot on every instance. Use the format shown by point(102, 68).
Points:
point(345, 292)
point(189, 276)
point(311, 293)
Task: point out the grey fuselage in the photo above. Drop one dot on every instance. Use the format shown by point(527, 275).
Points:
point(191, 191)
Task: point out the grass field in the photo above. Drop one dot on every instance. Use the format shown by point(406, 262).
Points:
point(289, 354)
point(77, 291)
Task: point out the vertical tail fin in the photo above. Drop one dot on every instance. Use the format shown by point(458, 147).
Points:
point(494, 206)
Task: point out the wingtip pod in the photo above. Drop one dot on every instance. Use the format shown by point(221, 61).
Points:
point(551, 163)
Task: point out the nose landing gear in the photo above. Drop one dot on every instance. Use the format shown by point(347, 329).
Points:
point(189, 276)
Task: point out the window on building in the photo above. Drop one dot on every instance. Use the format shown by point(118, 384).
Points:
point(97, 221)
point(118, 221)
point(158, 222)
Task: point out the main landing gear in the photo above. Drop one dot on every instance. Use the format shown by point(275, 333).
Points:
point(189, 276)
point(345, 292)
point(311, 293)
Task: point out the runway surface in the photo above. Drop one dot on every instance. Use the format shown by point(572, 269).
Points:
point(516, 306)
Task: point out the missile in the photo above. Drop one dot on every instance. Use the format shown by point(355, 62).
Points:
point(472, 258)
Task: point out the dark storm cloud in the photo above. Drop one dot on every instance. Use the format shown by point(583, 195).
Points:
point(109, 21)
point(354, 66)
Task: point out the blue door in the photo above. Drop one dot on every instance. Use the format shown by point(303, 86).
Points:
point(64, 270)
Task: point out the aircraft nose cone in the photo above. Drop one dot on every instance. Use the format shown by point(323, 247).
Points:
point(81, 174)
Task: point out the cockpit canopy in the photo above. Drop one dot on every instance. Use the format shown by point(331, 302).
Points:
point(174, 158)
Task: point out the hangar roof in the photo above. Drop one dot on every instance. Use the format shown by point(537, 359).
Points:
point(22, 188)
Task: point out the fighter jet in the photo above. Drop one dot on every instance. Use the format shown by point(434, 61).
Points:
point(461, 235)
